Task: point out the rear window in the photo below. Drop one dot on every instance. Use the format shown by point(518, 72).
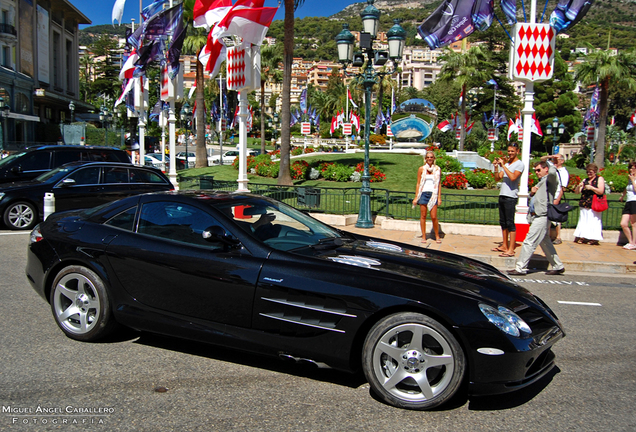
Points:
point(108, 156)
point(143, 176)
point(66, 156)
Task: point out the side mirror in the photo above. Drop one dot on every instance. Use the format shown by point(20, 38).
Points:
point(68, 182)
point(216, 234)
point(16, 169)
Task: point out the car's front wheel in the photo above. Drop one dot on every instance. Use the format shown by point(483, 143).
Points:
point(412, 361)
point(80, 304)
point(20, 216)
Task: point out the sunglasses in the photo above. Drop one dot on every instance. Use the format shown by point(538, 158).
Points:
point(537, 170)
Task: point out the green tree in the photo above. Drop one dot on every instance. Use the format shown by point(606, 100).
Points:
point(469, 69)
point(284, 175)
point(195, 40)
point(604, 67)
point(556, 98)
point(271, 59)
point(106, 83)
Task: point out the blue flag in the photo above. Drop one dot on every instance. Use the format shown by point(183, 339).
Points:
point(152, 9)
point(303, 101)
point(569, 12)
point(509, 8)
point(483, 14)
point(450, 22)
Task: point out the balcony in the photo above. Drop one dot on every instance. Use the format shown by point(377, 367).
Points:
point(8, 29)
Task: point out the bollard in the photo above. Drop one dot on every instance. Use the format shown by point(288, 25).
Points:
point(49, 204)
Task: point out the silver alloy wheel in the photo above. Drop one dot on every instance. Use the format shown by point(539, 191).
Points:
point(20, 215)
point(413, 362)
point(76, 304)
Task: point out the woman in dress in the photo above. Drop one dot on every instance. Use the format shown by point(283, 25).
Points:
point(590, 227)
point(628, 220)
point(428, 194)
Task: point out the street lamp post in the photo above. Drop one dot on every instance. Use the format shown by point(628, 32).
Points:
point(345, 42)
point(122, 121)
point(556, 130)
point(71, 107)
point(186, 115)
point(103, 116)
point(4, 111)
point(274, 124)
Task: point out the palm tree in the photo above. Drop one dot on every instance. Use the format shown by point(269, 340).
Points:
point(468, 69)
point(270, 62)
point(193, 43)
point(284, 175)
point(603, 68)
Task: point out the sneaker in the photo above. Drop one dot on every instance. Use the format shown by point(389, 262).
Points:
point(557, 241)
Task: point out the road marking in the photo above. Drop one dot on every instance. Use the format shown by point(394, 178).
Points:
point(15, 233)
point(579, 303)
point(551, 281)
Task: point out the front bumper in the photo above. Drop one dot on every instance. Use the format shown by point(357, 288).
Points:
point(516, 366)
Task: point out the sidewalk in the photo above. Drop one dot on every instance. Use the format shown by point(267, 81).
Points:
point(608, 257)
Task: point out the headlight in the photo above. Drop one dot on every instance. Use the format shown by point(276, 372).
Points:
point(505, 320)
point(1, 195)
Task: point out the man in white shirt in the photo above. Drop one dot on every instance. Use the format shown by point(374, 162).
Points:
point(564, 178)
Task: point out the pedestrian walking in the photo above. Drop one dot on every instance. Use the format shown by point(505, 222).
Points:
point(539, 233)
point(564, 178)
point(509, 173)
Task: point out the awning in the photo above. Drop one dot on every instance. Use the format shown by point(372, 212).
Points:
point(25, 117)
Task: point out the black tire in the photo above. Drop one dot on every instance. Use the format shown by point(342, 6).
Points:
point(409, 374)
point(20, 215)
point(80, 304)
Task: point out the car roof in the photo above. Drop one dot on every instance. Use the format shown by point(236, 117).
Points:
point(68, 147)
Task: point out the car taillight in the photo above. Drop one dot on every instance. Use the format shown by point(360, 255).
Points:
point(36, 235)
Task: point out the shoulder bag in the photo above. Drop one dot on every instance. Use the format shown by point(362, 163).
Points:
point(599, 203)
point(557, 212)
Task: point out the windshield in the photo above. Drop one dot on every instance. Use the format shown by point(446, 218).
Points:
point(276, 224)
point(55, 174)
point(8, 159)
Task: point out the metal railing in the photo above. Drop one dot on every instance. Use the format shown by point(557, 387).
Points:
point(456, 208)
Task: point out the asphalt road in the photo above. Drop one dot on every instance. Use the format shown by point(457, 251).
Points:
point(143, 382)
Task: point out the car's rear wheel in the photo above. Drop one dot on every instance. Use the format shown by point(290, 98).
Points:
point(80, 304)
point(20, 216)
point(412, 361)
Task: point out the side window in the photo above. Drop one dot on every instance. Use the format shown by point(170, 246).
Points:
point(142, 176)
point(36, 161)
point(178, 222)
point(115, 175)
point(124, 220)
point(105, 156)
point(66, 156)
point(85, 176)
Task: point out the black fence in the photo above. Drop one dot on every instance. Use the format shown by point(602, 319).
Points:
point(456, 208)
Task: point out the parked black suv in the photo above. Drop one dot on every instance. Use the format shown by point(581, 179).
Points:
point(76, 185)
point(33, 161)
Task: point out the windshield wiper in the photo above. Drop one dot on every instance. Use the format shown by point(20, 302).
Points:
point(328, 242)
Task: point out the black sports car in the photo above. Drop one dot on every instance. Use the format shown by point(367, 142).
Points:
point(76, 185)
point(250, 272)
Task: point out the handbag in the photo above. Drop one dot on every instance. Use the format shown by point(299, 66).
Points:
point(559, 212)
point(599, 204)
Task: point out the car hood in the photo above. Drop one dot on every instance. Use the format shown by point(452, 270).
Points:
point(442, 269)
point(14, 186)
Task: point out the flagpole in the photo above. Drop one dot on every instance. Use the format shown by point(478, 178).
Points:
point(527, 111)
point(172, 130)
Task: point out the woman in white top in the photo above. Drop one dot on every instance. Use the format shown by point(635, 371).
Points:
point(628, 220)
point(428, 194)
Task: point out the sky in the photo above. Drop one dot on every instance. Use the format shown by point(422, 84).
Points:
point(100, 12)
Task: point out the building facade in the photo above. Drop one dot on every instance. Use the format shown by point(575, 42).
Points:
point(39, 69)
